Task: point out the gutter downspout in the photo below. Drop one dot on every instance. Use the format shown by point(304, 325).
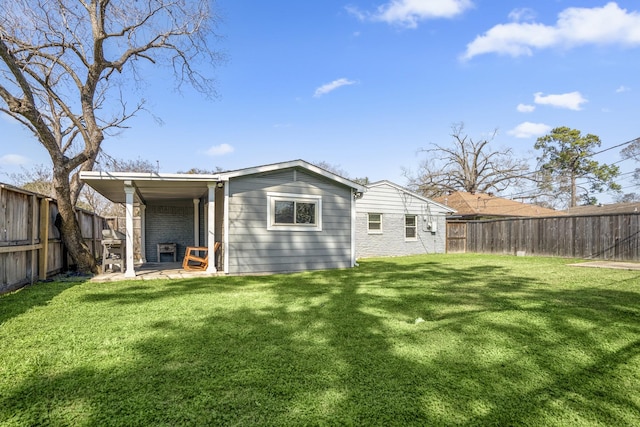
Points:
point(355, 196)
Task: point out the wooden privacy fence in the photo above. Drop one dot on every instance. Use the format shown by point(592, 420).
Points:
point(611, 237)
point(30, 244)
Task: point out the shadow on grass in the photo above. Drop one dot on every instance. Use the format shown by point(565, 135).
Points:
point(39, 294)
point(136, 292)
point(341, 347)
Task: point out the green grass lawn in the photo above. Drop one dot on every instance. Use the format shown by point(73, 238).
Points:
point(429, 340)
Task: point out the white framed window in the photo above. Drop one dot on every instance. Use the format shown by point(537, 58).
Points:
point(294, 212)
point(410, 227)
point(374, 223)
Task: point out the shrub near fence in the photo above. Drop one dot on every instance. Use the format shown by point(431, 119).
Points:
point(30, 244)
point(611, 237)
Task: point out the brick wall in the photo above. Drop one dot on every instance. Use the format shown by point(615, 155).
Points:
point(169, 224)
point(392, 242)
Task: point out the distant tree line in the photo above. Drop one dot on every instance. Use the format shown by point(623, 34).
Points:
point(565, 175)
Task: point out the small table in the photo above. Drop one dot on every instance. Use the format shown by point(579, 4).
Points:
point(167, 248)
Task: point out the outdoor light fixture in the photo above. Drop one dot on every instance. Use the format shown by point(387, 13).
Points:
point(220, 184)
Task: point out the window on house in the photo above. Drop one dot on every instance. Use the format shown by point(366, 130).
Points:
point(374, 223)
point(410, 229)
point(294, 212)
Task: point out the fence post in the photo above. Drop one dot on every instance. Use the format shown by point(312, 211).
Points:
point(44, 239)
point(94, 247)
point(33, 233)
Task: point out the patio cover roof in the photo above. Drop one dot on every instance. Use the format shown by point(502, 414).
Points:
point(149, 186)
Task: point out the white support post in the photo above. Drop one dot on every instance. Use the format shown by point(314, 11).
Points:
point(143, 233)
point(129, 190)
point(206, 224)
point(211, 226)
point(225, 223)
point(196, 222)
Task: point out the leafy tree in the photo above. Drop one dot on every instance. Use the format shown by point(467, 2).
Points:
point(632, 151)
point(566, 158)
point(114, 164)
point(628, 198)
point(64, 65)
point(588, 200)
point(200, 171)
point(337, 169)
point(362, 181)
point(96, 201)
point(38, 179)
point(467, 165)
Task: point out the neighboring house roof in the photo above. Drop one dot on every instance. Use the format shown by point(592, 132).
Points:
point(165, 186)
point(411, 193)
point(487, 205)
point(616, 208)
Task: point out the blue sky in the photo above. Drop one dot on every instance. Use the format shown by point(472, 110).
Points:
point(363, 85)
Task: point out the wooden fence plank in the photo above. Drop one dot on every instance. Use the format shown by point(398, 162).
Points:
point(30, 245)
point(612, 236)
point(43, 255)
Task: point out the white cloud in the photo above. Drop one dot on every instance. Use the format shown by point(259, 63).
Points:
point(408, 13)
point(623, 89)
point(571, 100)
point(522, 14)
point(524, 108)
point(360, 15)
point(13, 160)
point(329, 87)
point(220, 150)
point(576, 26)
point(528, 130)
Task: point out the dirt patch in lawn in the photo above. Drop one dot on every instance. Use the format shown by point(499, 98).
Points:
point(609, 264)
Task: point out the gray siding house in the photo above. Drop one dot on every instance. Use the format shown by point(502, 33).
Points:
point(258, 242)
point(284, 217)
point(393, 221)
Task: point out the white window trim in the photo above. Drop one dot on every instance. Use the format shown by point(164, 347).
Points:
point(415, 226)
point(288, 197)
point(369, 230)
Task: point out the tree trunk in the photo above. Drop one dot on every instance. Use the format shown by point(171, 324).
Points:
point(70, 228)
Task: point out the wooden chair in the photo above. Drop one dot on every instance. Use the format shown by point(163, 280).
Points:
point(192, 255)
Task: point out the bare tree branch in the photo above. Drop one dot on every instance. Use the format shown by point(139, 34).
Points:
point(467, 165)
point(62, 64)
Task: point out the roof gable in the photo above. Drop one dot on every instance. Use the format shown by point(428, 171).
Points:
point(403, 190)
point(292, 164)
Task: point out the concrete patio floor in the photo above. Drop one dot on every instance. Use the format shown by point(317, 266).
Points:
point(152, 271)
